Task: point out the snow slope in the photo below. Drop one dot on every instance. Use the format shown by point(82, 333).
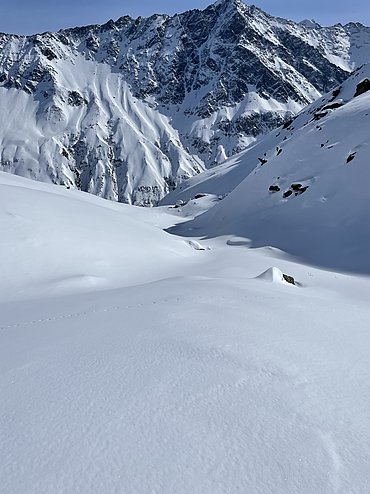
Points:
point(306, 188)
point(131, 362)
point(57, 241)
point(112, 145)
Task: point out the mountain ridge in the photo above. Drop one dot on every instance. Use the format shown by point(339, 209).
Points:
point(129, 109)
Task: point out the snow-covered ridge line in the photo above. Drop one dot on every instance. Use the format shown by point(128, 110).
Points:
point(129, 109)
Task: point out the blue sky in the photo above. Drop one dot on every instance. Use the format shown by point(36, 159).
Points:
point(30, 16)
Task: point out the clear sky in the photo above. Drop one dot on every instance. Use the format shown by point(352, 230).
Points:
point(31, 16)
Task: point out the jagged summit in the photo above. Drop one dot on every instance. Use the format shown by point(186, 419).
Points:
point(311, 24)
point(228, 4)
point(224, 4)
point(129, 109)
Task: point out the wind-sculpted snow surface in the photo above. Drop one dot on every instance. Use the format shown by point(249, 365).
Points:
point(307, 188)
point(130, 109)
point(132, 363)
point(57, 241)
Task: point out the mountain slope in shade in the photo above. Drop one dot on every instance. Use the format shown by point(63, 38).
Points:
point(308, 191)
point(130, 109)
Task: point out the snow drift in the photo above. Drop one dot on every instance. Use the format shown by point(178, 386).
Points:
point(56, 240)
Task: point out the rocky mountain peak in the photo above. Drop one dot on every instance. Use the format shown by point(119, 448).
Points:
point(228, 4)
point(310, 24)
point(131, 108)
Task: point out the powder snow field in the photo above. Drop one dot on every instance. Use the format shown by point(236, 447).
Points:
point(132, 362)
point(58, 241)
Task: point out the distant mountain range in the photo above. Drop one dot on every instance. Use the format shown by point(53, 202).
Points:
point(130, 109)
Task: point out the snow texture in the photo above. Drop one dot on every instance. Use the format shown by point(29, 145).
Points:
point(132, 363)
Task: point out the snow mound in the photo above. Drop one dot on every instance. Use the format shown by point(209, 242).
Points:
point(56, 240)
point(274, 275)
point(238, 242)
point(271, 275)
point(196, 245)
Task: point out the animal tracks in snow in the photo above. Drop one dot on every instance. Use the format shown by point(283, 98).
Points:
point(61, 317)
point(45, 320)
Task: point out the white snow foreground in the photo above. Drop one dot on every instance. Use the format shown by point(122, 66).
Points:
point(57, 240)
point(199, 379)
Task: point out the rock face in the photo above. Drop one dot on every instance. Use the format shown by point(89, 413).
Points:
point(129, 109)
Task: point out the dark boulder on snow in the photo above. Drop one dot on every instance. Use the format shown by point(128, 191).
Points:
point(351, 157)
point(296, 186)
point(362, 87)
point(274, 275)
point(274, 188)
point(289, 279)
point(333, 106)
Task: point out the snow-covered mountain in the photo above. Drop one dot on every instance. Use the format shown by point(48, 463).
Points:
point(304, 187)
point(129, 109)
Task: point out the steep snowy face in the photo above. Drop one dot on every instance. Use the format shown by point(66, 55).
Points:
point(91, 133)
point(130, 109)
point(307, 188)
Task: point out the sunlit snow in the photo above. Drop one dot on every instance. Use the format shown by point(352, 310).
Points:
point(131, 361)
